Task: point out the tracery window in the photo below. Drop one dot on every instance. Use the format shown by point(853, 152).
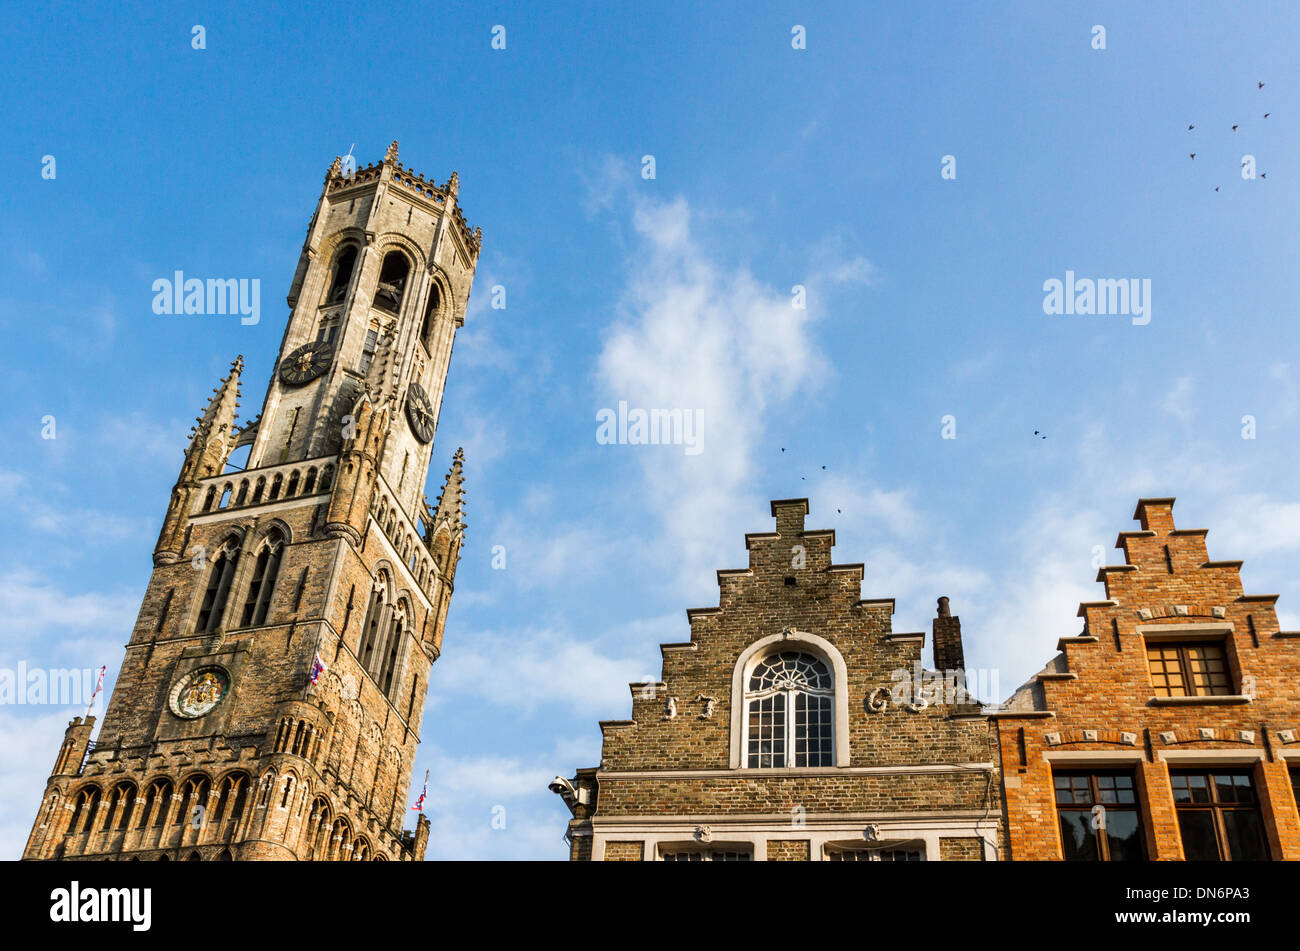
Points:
point(789, 701)
point(214, 598)
point(265, 572)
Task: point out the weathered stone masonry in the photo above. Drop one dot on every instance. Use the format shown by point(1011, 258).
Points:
point(905, 774)
point(216, 743)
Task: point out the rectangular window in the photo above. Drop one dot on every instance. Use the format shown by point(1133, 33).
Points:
point(1218, 816)
point(1098, 815)
point(707, 855)
point(767, 732)
point(1192, 669)
point(874, 855)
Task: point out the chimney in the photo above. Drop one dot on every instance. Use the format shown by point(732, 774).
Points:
point(948, 654)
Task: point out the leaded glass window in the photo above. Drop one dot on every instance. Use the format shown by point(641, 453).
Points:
point(789, 701)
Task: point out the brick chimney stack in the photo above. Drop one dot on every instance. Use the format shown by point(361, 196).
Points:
point(948, 653)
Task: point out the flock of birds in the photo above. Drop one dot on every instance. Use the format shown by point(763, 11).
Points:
point(1192, 126)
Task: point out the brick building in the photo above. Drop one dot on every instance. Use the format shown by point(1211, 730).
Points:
point(796, 724)
point(223, 739)
point(1169, 728)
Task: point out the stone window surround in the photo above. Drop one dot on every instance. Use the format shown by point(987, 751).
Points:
point(754, 835)
point(750, 658)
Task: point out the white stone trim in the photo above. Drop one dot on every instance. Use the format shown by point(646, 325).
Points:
point(750, 656)
point(754, 832)
point(1198, 629)
point(790, 772)
point(1292, 753)
point(1211, 757)
point(1083, 757)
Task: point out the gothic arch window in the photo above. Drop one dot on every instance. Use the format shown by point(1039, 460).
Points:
point(210, 498)
point(392, 648)
point(232, 795)
point(218, 590)
point(123, 800)
point(292, 488)
point(84, 808)
point(310, 482)
point(160, 795)
point(375, 623)
point(287, 795)
point(265, 572)
point(431, 316)
point(275, 487)
point(344, 264)
point(259, 490)
point(789, 712)
point(194, 794)
point(393, 276)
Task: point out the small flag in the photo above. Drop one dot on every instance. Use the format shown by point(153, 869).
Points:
point(99, 685)
point(317, 668)
point(419, 803)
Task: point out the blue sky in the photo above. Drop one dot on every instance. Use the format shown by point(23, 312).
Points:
point(774, 167)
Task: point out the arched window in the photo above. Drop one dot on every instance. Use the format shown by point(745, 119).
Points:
point(392, 648)
point(83, 813)
point(260, 589)
point(123, 800)
point(160, 796)
point(214, 599)
point(373, 627)
point(343, 267)
point(430, 317)
point(392, 282)
point(789, 702)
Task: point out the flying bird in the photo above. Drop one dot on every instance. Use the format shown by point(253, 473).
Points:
point(1193, 155)
point(1267, 114)
point(1261, 84)
point(1190, 128)
point(1216, 188)
point(1234, 128)
point(1263, 174)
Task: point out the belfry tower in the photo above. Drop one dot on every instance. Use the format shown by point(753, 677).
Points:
point(269, 702)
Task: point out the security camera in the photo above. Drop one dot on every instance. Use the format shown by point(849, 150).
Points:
point(562, 787)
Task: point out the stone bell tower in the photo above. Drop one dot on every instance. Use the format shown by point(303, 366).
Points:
point(269, 702)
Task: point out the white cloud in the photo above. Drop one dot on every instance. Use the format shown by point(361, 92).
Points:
point(697, 334)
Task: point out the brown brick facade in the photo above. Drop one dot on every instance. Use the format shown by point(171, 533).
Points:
point(1095, 710)
point(912, 763)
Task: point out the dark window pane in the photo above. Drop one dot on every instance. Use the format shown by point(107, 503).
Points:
point(1123, 835)
point(1078, 844)
point(1197, 829)
point(1245, 835)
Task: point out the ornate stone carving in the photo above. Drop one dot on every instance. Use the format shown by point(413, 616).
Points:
point(709, 704)
point(670, 709)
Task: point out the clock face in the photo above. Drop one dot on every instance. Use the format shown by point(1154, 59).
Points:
point(419, 413)
point(306, 363)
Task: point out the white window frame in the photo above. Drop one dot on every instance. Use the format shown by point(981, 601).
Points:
point(752, 656)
